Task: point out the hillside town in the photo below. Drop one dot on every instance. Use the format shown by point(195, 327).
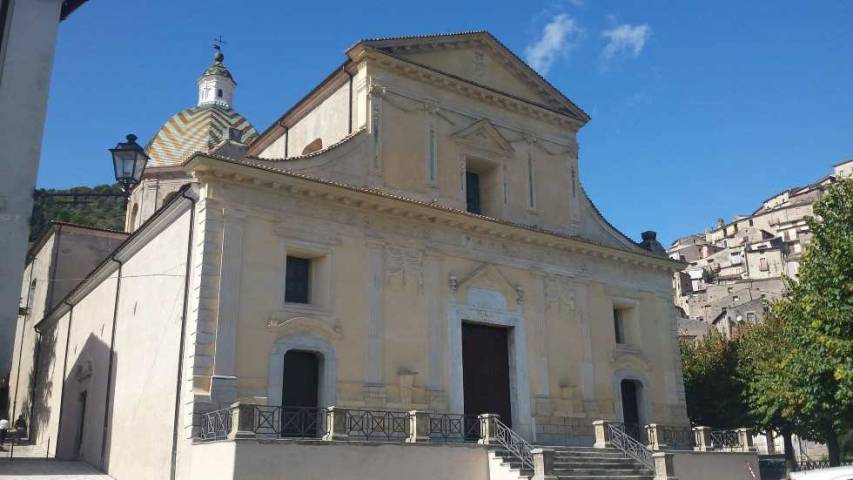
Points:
point(737, 268)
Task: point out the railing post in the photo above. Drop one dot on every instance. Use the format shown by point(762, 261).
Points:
point(664, 469)
point(336, 424)
point(242, 421)
point(543, 464)
point(418, 427)
point(702, 435)
point(744, 437)
point(654, 434)
point(602, 436)
point(487, 428)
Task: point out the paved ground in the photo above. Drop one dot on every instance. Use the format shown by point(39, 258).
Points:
point(29, 463)
point(45, 469)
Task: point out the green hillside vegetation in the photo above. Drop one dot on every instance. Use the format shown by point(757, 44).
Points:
point(101, 212)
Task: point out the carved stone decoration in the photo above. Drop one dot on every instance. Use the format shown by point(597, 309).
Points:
point(325, 326)
point(453, 283)
point(404, 265)
point(519, 295)
point(559, 292)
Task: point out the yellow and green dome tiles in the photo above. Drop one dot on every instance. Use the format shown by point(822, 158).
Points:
point(198, 129)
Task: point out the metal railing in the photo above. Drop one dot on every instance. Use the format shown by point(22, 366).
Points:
point(451, 427)
point(373, 425)
point(512, 442)
point(350, 424)
point(670, 436)
point(725, 440)
point(633, 430)
point(621, 440)
point(215, 425)
point(810, 464)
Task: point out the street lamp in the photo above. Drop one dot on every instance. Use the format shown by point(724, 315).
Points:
point(129, 160)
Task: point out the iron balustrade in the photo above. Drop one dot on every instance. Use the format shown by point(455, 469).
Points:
point(295, 422)
point(312, 422)
point(451, 427)
point(512, 442)
point(376, 425)
point(725, 439)
point(634, 430)
point(672, 437)
point(621, 440)
point(215, 425)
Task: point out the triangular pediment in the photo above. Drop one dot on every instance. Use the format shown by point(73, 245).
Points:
point(486, 286)
point(480, 58)
point(484, 135)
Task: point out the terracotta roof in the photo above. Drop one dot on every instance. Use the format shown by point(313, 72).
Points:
point(312, 154)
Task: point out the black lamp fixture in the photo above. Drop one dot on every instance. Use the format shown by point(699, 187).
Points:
point(129, 160)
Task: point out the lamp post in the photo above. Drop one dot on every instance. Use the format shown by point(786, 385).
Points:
point(129, 160)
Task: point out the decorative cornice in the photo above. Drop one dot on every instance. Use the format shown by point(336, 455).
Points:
point(473, 90)
point(204, 166)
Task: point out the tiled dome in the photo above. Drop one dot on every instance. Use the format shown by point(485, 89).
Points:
point(198, 129)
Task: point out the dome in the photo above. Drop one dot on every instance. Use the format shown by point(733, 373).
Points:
point(198, 129)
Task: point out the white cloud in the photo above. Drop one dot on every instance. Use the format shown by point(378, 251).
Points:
point(559, 37)
point(625, 41)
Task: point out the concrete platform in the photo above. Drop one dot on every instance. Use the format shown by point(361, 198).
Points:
point(47, 469)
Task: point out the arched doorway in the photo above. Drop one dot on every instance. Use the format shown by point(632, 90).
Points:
point(630, 391)
point(300, 394)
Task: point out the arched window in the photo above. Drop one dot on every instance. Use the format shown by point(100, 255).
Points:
point(219, 93)
point(312, 147)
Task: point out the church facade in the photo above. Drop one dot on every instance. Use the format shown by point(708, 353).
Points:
point(411, 235)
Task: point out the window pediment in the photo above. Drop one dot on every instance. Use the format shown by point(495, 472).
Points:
point(482, 134)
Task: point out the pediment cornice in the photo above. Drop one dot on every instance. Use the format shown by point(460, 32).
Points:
point(483, 134)
point(545, 113)
point(206, 167)
point(486, 41)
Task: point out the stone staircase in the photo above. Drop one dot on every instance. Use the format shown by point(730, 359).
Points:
point(577, 463)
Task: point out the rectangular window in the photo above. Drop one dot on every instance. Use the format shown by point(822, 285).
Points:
point(619, 326)
point(472, 192)
point(297, 280)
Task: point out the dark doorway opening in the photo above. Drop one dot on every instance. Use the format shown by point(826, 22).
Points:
point(78, 442)
point(299, 396)
point(485, 371)
point(631, 407)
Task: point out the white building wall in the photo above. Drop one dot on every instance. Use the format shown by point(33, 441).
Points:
point(26, 61)
point(150, 294)
point(328, 121)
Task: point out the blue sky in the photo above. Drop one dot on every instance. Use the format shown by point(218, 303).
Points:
point(699, 110)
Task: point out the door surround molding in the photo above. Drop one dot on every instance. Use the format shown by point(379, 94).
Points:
point(488, 307)
point(327, 394)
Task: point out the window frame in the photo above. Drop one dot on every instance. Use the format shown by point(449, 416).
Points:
point(291, 261)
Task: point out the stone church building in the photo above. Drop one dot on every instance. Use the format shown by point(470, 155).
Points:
point(411, 235)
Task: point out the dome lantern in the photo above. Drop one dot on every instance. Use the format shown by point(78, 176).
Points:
point(216, 85)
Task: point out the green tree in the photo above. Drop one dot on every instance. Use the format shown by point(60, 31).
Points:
point(761, 350)
point(815, 375)
point(101, 212)
point(714, 391)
